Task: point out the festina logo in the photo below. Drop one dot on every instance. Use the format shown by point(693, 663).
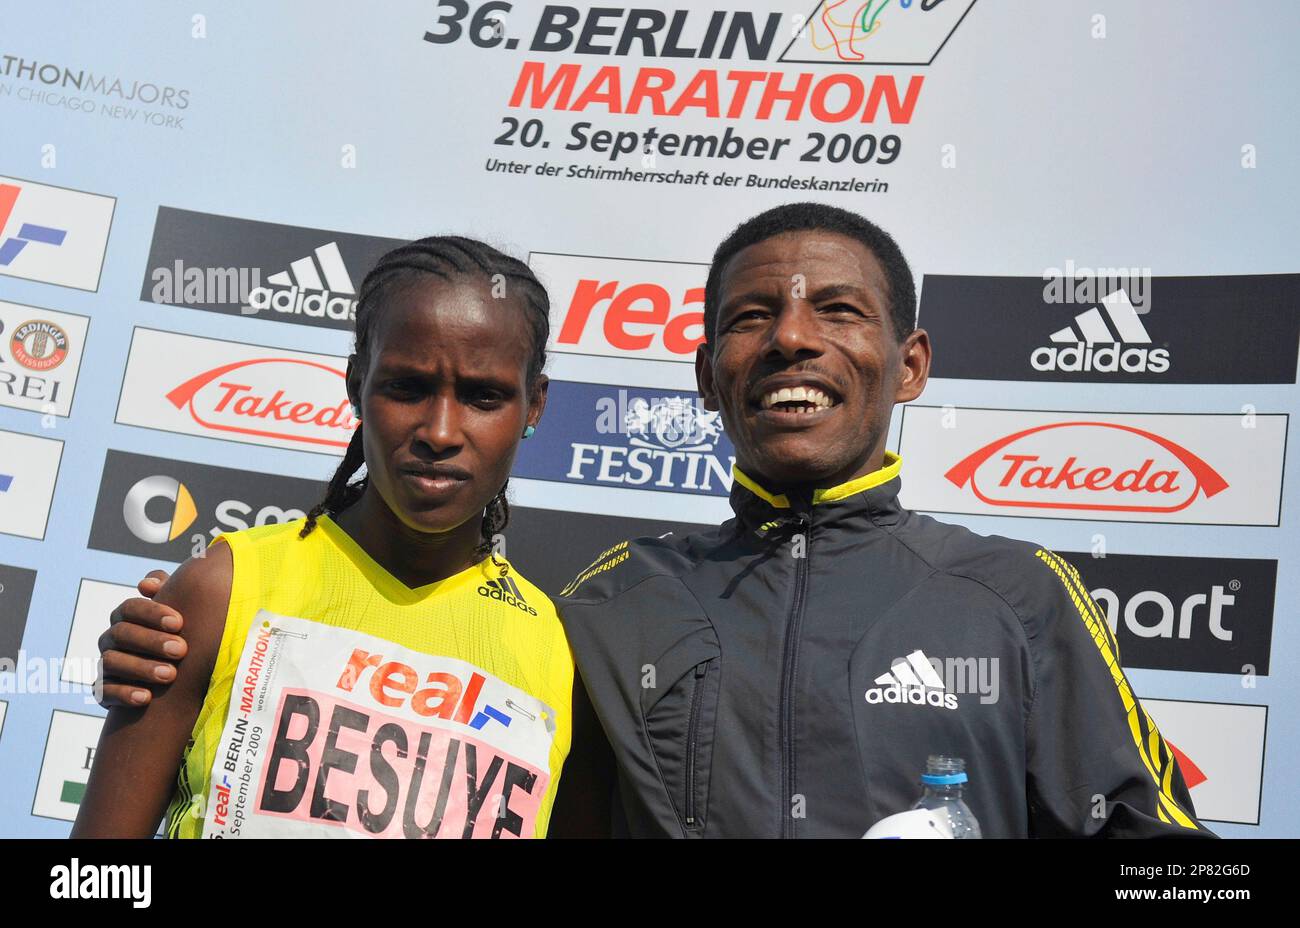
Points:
point(649, 467)
point(1123, 346)
point(672, 441)
point(76, 880)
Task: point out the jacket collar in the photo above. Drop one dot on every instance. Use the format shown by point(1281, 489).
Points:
point(872, 496)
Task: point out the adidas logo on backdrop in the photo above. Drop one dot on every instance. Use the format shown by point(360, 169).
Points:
point(308, 291)
point(505, 590)
point(1094, 347)
point(911, 681)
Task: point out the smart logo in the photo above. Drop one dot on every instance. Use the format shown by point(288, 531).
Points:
point(181, 515)
point(154, 507)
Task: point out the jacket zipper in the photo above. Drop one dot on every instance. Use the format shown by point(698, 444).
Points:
point(692, 737)
point(789, 664)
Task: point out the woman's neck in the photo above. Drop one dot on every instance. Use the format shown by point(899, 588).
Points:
point(415, 558)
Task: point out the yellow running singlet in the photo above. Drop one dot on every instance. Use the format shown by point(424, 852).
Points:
point(345, 704)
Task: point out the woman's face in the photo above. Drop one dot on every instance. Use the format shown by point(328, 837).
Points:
point(444, 399)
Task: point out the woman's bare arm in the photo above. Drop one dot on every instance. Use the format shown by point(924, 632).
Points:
point(140, 750)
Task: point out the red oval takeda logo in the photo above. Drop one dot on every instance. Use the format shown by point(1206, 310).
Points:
point(288, 399)
point(1098, 466)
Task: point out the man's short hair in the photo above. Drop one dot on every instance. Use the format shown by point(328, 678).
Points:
point(819, 217)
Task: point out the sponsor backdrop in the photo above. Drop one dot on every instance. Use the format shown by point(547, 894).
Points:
point(189, 202)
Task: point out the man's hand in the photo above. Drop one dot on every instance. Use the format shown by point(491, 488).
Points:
point(140, 647)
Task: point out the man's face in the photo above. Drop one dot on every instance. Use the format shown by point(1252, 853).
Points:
point(805, 365)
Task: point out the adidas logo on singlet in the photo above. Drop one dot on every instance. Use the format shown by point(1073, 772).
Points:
point(507, 591)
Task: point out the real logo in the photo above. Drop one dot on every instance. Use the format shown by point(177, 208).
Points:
point(911, 681)
point(1094, 347)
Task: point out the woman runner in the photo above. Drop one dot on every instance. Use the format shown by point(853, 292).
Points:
point(376, 669)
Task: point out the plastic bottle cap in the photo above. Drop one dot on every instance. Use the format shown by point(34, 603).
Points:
point(943, 779)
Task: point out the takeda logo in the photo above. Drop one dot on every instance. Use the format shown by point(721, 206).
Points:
point(1194, 468)
point(236, 391)
point(265, 398)
point(1144, 472)
point(621, 307)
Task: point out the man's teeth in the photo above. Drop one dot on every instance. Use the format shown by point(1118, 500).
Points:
point(810, 398)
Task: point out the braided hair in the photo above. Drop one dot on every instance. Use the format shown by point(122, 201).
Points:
point(448, 257)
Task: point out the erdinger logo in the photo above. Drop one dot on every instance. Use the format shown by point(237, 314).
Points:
point(1095, 347)
point(39, 345)
point(283, 398)
point(672, 424)
point(1143, 472)
point(302, 291)
point(505, 590)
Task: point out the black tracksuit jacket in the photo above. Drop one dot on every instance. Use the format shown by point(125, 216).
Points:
point(766, 678)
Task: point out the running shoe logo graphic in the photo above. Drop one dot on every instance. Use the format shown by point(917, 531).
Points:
point(6, 480)
point(505, 590)
point(11, 247)
point(911, 681)
point(867, 32)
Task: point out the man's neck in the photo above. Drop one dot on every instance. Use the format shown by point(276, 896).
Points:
point(805, 489)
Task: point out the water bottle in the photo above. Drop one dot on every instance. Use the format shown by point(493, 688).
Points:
point(944, 780)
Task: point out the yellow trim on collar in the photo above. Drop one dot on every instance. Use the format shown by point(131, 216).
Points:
point(776, 502)
point(893, 464)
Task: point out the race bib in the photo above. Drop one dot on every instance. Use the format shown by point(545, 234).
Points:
point(335, 733)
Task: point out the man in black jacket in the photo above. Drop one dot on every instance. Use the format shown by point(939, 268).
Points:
point(788, 673)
